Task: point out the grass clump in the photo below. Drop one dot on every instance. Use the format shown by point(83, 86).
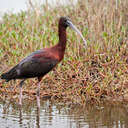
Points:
point(92, 75)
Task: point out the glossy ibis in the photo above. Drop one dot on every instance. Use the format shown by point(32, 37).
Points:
point(40, 62)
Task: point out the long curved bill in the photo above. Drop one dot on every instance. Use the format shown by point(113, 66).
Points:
point(75, 28)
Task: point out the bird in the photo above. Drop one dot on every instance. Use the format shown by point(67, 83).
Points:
point(40, 62)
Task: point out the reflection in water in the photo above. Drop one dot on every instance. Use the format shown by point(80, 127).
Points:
point(62, 116)
point(38, 118)
point(20, 115)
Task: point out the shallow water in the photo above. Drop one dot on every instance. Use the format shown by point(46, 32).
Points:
point(58, 115)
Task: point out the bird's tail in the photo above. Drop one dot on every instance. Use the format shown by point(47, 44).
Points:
point(11, 74)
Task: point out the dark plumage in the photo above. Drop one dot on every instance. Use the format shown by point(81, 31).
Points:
point(35, 65)
point(42, 61)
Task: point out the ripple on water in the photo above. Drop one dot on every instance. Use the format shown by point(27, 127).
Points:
point(57, 115)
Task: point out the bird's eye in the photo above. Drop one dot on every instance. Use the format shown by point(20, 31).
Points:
point(65, 20)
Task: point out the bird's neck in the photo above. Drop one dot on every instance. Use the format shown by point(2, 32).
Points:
point(62, 38)
point(62, 42)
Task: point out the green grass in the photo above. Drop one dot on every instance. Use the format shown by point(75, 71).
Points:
point(97, 73)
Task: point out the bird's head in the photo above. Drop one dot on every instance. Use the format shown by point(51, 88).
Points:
point(66, 22)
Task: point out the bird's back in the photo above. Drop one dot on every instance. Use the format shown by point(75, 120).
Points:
point(36, 64)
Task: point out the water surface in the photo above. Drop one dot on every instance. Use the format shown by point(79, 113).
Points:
point(58, 115)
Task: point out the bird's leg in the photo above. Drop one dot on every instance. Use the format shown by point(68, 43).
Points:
point(20, 97)
point(38, 95)
point(38, 92)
